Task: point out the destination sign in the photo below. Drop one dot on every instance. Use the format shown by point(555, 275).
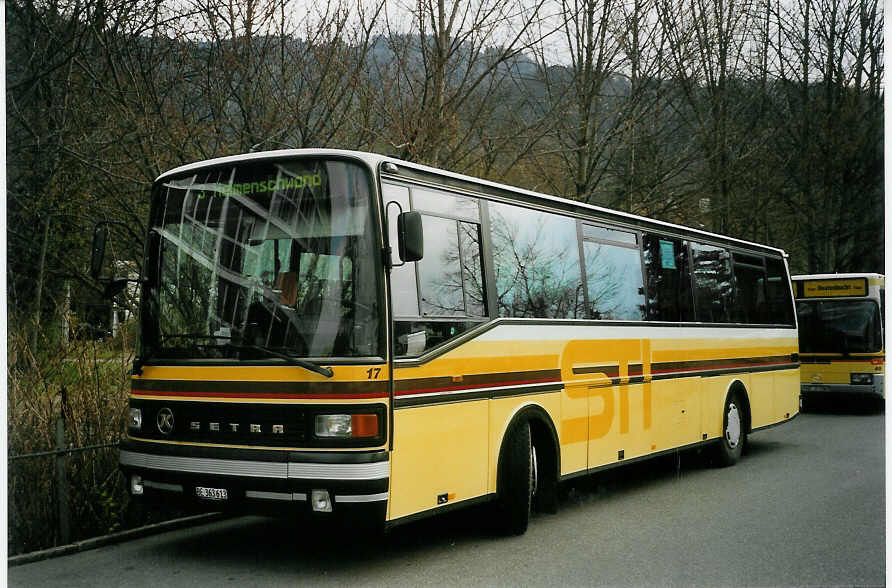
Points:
point(832, 288)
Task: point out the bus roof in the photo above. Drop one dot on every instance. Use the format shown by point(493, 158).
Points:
point(456, 181)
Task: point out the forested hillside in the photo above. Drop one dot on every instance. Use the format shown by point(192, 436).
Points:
point(755, 118)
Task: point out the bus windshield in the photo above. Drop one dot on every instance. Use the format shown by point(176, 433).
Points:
point(839, 326)
point(258, 260)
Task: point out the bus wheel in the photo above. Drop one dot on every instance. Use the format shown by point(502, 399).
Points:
point(730, 446)
point(517, 481)
point(804, 403)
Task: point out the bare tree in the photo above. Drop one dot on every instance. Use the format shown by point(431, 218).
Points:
point(708, 47)
point(46, 108)
point(443, 80)
point(587, 96)
point(826, 57)
point(653, 153)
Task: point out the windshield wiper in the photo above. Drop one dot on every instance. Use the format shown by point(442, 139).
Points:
point(308, 365)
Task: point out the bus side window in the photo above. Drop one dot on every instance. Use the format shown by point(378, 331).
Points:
point(450, 274)
point(750, 305)
point(444, 294)
point(535, 263)
point(404, 289)
point(777, 292)
point(669, 295)
point(614, 281)
point(713, 290)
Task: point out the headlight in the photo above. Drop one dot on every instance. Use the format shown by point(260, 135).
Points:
point(136, 486)
point(321, 501)
point(135, 419)
point(862, 378)
point(346, 426)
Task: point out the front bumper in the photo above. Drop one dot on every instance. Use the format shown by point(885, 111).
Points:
point(259, 481)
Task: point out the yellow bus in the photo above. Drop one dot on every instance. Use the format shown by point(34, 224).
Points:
point(340, 333)
point(841, 336)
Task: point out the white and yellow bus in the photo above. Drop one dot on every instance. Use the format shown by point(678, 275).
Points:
point(841, 336)
point(335, 332)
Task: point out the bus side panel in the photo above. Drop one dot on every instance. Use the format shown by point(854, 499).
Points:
point(573, 428)
point(621, 420)
point(676, 413)
point(777, 391)
point(440, 456)
point(635, 420)
point(763, 401)
point(786, 393)
point(502, 410)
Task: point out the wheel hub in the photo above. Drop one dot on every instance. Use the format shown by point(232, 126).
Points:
point(732, 429)
point(535, 469)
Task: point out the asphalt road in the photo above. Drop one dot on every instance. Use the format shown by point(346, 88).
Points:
point(805, 506)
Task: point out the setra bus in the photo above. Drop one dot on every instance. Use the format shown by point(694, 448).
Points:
point(841, 336)
point(331, 332)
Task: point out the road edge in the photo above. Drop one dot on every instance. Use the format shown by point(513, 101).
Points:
point(94, 542)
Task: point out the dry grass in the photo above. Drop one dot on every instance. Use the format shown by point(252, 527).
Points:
point(87, 383)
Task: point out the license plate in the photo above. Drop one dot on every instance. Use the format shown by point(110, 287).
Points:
point(211, 493)
point(817, 389)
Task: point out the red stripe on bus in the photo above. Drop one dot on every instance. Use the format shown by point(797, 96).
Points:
point(258, 395)
point(716, 367)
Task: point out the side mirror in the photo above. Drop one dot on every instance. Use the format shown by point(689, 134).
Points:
point(411, 236)
point(100, 235)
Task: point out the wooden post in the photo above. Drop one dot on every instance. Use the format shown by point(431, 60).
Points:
point(35, 336)
point(62, 474)
point(66, 316)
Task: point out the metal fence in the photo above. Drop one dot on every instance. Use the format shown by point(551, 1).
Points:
point(61, 453)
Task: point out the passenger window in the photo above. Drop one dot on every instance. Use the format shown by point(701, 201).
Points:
point(470, 246)
point(403, 284)
point(614, 283)
point(442, 203)
point(444, 294)
point(596, 233)
point(712, 283)
point(414, 337)
point(536, 263)
point(777, 292)
point(669, 294)
point(450, 273)
point(750, 304)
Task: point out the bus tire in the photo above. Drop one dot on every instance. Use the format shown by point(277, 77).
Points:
point(545, 490)
point(805, 403)
point(730, 446)
point(516, 481)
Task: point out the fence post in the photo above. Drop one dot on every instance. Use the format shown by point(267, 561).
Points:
point(66, 315)
point(62, 473)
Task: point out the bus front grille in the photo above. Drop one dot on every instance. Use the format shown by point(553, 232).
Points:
point(273, 425)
